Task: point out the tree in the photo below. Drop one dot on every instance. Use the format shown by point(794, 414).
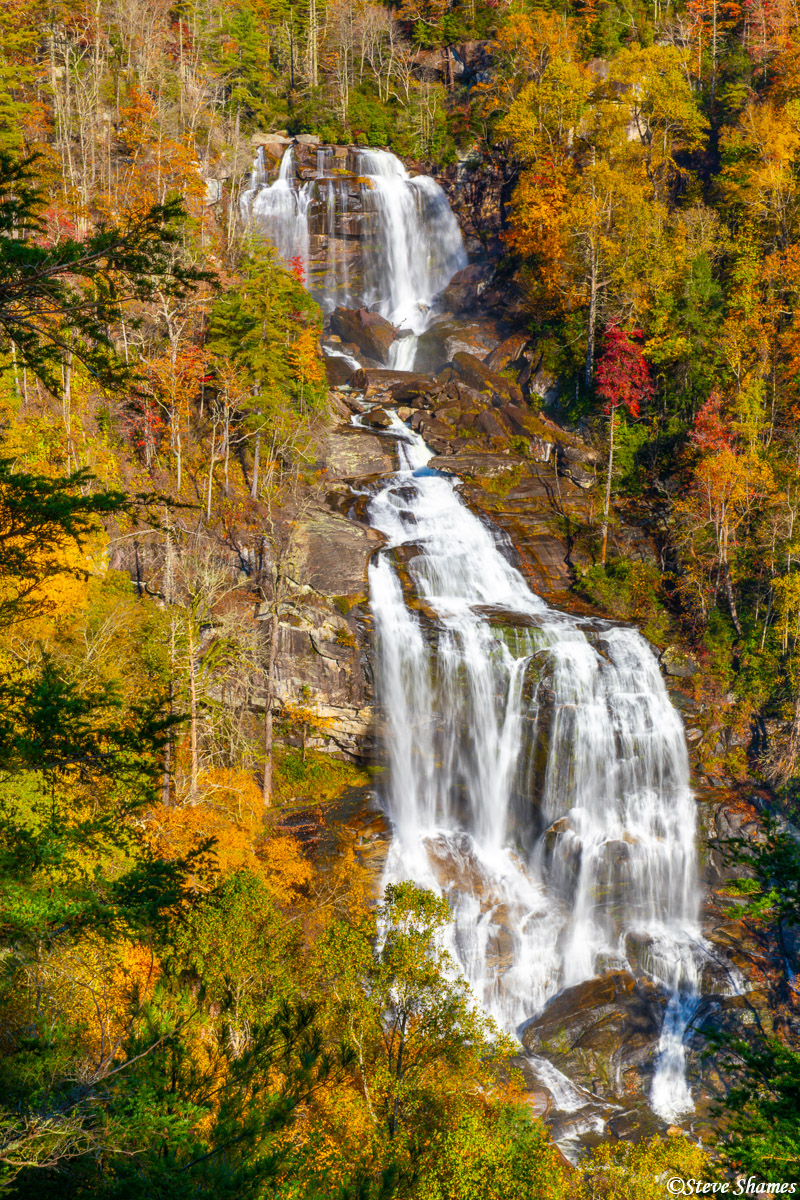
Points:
point(61, 301)
point(500, 1152)
point(264, 324)
point(44, 525)
point(663, 109)
point(620, 1169)
point(623, 382)
point(728, 488)
point(760, 1134)
point(416, 1034)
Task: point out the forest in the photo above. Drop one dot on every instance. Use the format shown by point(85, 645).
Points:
point(196, 999)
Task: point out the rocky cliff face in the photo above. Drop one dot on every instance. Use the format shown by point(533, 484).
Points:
point(479, 189)
point(324, 646)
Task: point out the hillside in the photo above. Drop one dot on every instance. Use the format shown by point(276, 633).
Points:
point(369, 374)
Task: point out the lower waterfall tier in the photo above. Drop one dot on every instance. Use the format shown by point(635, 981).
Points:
point(539, 775)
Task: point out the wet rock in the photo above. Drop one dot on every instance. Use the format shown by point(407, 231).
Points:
point(465, 288)
point(338, 370)
point(378, 418)
point(478, 465)
point(371, 332)
point(538, 1103)
point(374, 381)
point(353, 453)
point(601, 1033)
point(635, 1125)
point(477, 375)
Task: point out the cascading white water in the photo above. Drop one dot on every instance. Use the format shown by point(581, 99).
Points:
point(414, 250)
point(282, 210)
point(406, 249)
point(539, 777)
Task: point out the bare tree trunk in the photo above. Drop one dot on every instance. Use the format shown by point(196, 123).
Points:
point(607, 500)
point(227, 435)
point(211, 470)
point(794, 742)
point(589, 367)
point(313, 38)
point(269, 695)
point(726, 575)
point(256, 463)
point(193, 711)
point(166, 779)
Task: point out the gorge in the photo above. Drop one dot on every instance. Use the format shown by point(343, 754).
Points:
point(538, 773)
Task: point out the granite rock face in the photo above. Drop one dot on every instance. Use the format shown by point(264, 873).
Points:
point(601, 1033)
point(369, 331)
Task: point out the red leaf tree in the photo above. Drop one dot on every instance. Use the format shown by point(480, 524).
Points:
point(622, 381)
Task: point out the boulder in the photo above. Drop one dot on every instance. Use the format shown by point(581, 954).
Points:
point(308, 139)
point(273, 144)
point(570, 462)
point(353, 453)
point(602, 1033)
point(338, 370)
point(540, 383)
point(415, 387)
point(478, 465)
point(466, 397)
point(369, 331)
point(465, 288)
point(444, 339)
point(678, 663)
point(488, 423)
point(373, 381)
point(378, 418)
point(477, 375)
point(430, 427)
point(511, 350)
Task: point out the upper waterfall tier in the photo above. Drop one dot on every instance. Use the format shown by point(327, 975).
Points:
point(367, 233)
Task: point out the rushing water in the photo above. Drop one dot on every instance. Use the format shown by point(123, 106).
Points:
point(539, 776)
point(374, 237)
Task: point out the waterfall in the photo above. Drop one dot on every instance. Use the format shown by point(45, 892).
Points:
point(370, 236)
point(538, 773)
point(415, 245)
point(282, 210)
